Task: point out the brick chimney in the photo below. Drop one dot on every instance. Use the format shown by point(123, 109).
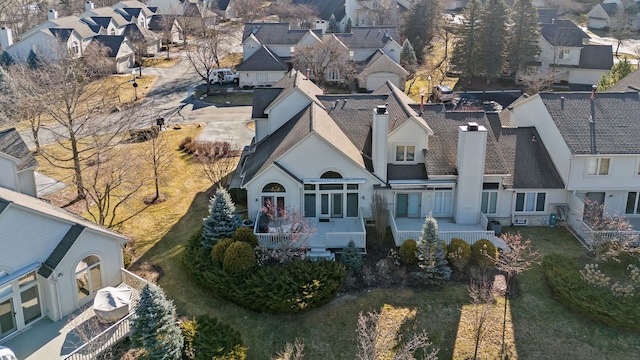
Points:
point(472, 147)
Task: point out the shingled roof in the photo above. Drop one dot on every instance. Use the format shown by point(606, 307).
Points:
point(263, 60)
point(275, 33)
point(616, 120)
point(262, 97)
point(61, 250)
point(610, 8)
point(12, 144)
point(369, 37)
point(111, 42)
point(630, 82)
point(598, 57)
point(563, 33)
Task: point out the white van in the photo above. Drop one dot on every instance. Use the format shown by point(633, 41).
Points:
point(223, 76)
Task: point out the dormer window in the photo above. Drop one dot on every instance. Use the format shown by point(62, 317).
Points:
point(112, 32)
point(563, 53)
point(405, 153)
point(75, 47)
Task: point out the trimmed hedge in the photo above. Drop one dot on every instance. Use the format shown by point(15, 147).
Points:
point(245, 234)
point(217, 253)
point(239, 258)
point(206, 338)
point(293, 287)
point(407, 252)
point(478, 250)
point(598, 304)
point(462, 251)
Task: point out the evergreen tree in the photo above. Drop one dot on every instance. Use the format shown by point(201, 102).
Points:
point(468, 42)
point(332, 27)
point(222, 220)
point(154, 328)
point(6, 59)
point(351, 257)
point(432, 258)
point(348, 27)
point(421, 24)
point(522, 41)
point(408, 58)
point(618, 71)
point(33, 60)
point(493, 31)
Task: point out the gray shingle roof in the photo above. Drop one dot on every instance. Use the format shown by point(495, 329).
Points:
point(12, 144)
point(326, 8)
point(3, 205)
point(296, 80)
point(406, 172)
point(111, 42)
point(262, 97)
point(101, 20)
point(370, 37)
point(610, 8)
point(596, 57)
point(275, 33)
point(61, 34)
point(563, 33)
point(630, 82)
point(134, 33)
point(263, 60)
point(616, 121)
point(61, 250)
point(546, 16)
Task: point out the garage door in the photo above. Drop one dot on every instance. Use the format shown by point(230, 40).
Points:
point(376, 80)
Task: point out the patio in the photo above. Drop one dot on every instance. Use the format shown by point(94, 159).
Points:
point(79, 335)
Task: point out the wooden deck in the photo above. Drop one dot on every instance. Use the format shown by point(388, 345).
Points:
point(78, 336)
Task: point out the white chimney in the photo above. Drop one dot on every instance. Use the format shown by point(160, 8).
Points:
point(52, 14)
point(379, 134)
point(321, 25)
point(89, 6)
point(6, 38)
point(472, 147)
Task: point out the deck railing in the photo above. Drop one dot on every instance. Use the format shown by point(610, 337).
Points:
point(116, 332)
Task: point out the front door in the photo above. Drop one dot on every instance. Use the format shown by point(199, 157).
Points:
point(408, 205)
point(331, 205)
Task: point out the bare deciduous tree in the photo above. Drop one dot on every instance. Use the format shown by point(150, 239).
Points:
point(204, 55)
point(612, 235)
point(217, 160)
point(329, 55)
point(293, 351)
point(167, 27)
point(159, 157)
point(540, 80)
point(298, 15)
point(483, 301)
point(379, 12)
point(249, 10)
point(381, 341)
point(73, 102)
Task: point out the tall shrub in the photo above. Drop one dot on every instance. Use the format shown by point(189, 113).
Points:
point(431, 254)
point(154, 328)
point(222, 221)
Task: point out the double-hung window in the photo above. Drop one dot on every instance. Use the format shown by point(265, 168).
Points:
point(489, 203)
point(530, 201)
point(598, 166)
point(405, 153)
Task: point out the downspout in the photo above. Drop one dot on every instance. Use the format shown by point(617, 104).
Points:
point(55, 281)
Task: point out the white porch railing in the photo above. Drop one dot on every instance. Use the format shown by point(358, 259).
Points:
point(470, 237)
point(114, 333)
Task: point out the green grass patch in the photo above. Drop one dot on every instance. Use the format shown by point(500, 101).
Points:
point(223, 97)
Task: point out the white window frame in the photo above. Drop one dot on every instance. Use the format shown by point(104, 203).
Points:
point(262, 77)
point(530, 198)
point(635, 205)
point(563, 53)
point(405, 147)
point(75, 47)
point(597, 170)
point(490, 200)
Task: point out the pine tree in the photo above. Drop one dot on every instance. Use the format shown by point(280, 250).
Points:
point(467, 48)
point(493, 31)
point(222, 220)
point(522, 42)
point(33, 60)
point(348, 27)
point(6, 59)
point(332, 27)
point(421, 24)
point(351, 257)
point(154, 328)
point(431, 255)
point(618, 71)
point(408, 58)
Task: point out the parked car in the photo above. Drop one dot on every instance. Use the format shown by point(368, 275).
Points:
point(442, 93)
point(223, 76)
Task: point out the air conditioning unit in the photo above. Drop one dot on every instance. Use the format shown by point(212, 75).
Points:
point(520, 222)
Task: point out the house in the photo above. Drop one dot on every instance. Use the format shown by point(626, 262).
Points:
point(360, 12)
point(120, 52)
point(77, 32)
point(166, 27)
point(330, 154)
point(604, 15)
point(145, 41)
point(630, 82)
point(52, 262)
point(269, 50)
point(567, 56)
point(226, 9)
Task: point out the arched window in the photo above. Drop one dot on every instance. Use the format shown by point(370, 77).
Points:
point(331, 175)
point(273, 187)
point(112, 32)
point(75, 47)
point(88, 276)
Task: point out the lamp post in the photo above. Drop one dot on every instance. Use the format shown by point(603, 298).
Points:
point(135, 85)
point(429, 89)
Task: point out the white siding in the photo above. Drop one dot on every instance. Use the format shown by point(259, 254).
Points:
point(27, 183)
point(408, 133)
point(272, 174)
point(623, 174)
point(376, 80)
point(8, 178)
point(393, 49)
point(249, 47)
point(260, 78)
point(585, 76)
point(286, 109)
point(281, 50)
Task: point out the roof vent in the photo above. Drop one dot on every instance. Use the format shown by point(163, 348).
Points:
point(472, 126)
point(562, 102)
point(381, 109)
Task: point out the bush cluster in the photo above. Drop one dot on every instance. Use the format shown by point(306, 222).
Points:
point(407, 252)
point(245, 234)
point(292, 287)
point(483, 253)
point(206, 338)
point(596, 303)
point(219, 249)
